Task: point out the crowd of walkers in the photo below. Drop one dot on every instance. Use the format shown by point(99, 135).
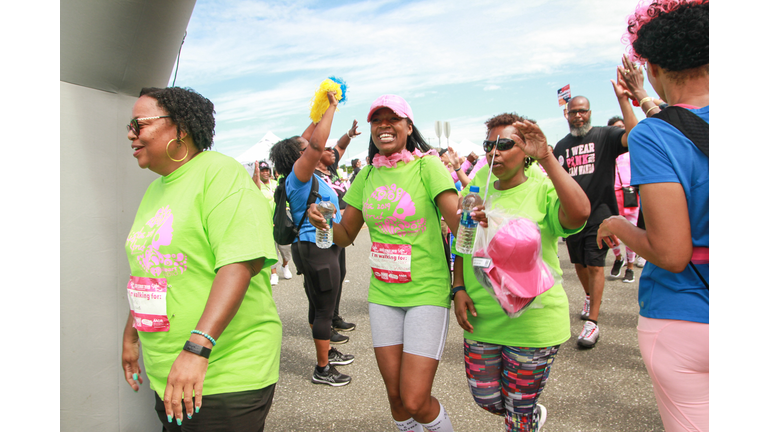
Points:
point(203, 258)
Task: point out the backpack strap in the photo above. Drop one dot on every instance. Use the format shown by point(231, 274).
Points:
point(313, 195)
point(695, 129)
point(689, 124)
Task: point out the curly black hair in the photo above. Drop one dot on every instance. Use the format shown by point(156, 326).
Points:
point(284, 154)
point(671, 34)
point(614, 119)
point(189, 110)
point(415, 140)
point(508, 119)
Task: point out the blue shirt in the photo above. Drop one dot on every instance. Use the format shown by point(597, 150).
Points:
point(662, 154)
point(298, 193)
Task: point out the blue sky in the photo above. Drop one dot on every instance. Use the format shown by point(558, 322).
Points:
point(456, 61)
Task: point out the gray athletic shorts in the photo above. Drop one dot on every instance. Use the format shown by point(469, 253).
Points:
point(421, 330)
point(284, 252)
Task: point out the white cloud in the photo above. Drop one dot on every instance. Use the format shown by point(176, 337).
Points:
point(283, 50)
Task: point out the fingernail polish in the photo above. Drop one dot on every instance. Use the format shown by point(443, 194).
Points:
point(170, 419)
point(135, 377)
point(197, 409)
point(189, 416)
point(178, 421)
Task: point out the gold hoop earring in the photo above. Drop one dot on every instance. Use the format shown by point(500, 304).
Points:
point(185, 148)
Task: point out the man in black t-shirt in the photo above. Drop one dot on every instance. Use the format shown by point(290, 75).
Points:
point(589, 154)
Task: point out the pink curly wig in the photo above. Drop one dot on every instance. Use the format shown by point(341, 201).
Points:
point(647, 11)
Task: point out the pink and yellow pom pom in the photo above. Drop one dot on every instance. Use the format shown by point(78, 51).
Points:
point(319, 103)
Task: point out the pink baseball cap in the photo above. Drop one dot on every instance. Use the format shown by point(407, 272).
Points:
point(517, 273)
point(393, 102)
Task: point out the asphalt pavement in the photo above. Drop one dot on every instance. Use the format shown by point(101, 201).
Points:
point(605, 388)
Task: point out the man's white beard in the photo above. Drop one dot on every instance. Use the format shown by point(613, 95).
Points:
point(581, 131)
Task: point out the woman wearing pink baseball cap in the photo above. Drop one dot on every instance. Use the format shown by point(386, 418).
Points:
point(400, 196)
point(508, 359)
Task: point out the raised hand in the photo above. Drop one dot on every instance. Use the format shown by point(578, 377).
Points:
point(332, 98)
point(453, 158)
point(535, 143)
point(353, 131)
point(630, 77)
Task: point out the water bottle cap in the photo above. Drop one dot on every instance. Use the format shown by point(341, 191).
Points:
point(326, 198)
point(474, 189)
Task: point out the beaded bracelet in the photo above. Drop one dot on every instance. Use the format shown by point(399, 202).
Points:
point(205, 335)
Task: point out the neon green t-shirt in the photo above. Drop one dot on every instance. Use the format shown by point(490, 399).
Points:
point(408, 264)
point(268, 189)
point(190, 223)
point(537, 200)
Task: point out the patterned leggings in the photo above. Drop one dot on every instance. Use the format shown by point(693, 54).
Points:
point(508, 381)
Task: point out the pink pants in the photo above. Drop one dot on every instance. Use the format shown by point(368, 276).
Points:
point(676, 355)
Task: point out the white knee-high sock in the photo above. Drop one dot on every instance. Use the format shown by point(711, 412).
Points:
point(441, 424)
point(409, 425)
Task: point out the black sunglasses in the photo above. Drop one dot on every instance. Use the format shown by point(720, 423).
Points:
point(135, 127)
point(500, 144)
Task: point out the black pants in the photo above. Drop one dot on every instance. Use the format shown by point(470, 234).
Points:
point(322, 283)
point(226, 412)
point(343, 274)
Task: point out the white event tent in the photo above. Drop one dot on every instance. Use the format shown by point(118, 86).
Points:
point(465, 147)
point(259, 151)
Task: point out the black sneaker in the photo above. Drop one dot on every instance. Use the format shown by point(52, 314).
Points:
point(616, 270)
point(337, 338)
point(336, 358)
point(330, 376)
point(629, 276)
point(340, 325)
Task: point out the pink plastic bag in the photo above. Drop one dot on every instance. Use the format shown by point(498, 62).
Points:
point(508, 262)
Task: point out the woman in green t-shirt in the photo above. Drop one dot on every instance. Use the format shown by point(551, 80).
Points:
point(401, 196)
point(199, 249)
point(508, 359)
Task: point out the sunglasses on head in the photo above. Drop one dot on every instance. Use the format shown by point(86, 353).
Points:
point(135, 127)
point(500, 144)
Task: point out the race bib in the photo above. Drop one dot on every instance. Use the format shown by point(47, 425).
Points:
point(147, 299)
point(391, 263)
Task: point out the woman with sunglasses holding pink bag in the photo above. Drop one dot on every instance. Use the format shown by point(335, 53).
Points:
point(508, 360)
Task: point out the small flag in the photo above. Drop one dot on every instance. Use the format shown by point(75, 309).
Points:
point(564, 95)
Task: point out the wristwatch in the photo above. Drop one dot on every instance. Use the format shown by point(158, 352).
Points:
point(456, 289)
point(197, 349)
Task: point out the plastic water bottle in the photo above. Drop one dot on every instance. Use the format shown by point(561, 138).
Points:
point(324, 239)
point(465, 238)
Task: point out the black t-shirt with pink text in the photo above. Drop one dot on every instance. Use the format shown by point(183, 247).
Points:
point(591, 161)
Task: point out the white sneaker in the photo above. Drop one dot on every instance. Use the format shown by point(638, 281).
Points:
point(273, 279)
point(542, 416)
point(589, 335)
point(640, 262)
point(286, 272)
